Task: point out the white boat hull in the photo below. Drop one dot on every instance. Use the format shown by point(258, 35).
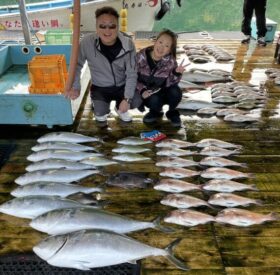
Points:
point(140, 16)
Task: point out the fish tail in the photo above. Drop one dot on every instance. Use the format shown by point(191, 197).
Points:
point(254, 187)
point(251, 175)
point(157, 225)
point(243, 165)
point(259, 202)
point(273, 216)
point(170, 255)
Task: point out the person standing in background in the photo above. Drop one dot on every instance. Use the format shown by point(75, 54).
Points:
point(259, 6)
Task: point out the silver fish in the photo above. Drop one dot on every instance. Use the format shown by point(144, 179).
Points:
point(220, 162)
point(86, 249)
point(194, 104)
point(183, 201)
point(202, 77)
point(61, 221)
point(30, 207)
point(223, 173)
point(175, 186)
point(67, 137)
point(175, 162)
point(225, 99)
point(62, 146)
point(231, 200)
point(133, 141)
point(55, 176)
point(213, 151)
point(130, 157)
point(60, 154)
point(188, 217)
point(227, 111)
point(52, 189)
point(186, 85)
point(174, 152)
point(129, 180)
point(173, 143)
point(130, 149)
point(98, 161)
point(207, 111)
point(216, 142)
point(178, 173)
point(227, 186)
point(241, 217)
point(57, 164)
point(240, 118)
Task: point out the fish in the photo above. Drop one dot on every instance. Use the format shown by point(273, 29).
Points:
point(213, 151)
point(220, 162)
point(98, 161)
point(174, 152)
point(86, 249)
point(173, 143)
point(188, 217)
point(53, 189)
point(207, 111)
point(55, 175)
point(57, 164)
point(203, 77)
point(225, 99)
point(231, 200)
point(178, 173)
point(128, 157)
point(240, 118)
point(194, 104)
point(227, 186)
point(129, 180)
point(66, 220)
point(244, 218)
point(176, 186)
point(60, 154)
point(30, 207)
point(223, 173)
point(186, 85)
point(62, 146)
point(133, 141)
point(183, 201)
point(216, 142)
point(130, 149)
point(175, 162)
point(67, 137)
point(227, 111)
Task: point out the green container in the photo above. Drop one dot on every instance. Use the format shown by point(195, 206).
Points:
point(59, 37)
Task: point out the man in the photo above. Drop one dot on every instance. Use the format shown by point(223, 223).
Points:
point(248, 8)
point(111, 60)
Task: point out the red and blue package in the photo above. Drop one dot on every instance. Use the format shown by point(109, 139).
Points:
point(154, 135)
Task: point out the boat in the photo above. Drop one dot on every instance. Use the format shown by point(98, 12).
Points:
point(141, 14)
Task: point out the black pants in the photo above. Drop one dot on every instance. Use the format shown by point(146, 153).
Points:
point(170, 96)
point(102, 96)
point(248, 8)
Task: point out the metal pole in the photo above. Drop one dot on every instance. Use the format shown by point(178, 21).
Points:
point(24, 23)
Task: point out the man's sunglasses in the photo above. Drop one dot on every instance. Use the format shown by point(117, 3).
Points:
point(110, 26)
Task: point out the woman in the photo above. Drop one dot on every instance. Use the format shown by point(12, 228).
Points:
point(158, 78)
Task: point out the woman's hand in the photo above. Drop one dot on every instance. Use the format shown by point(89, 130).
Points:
point(146, 94)
point(181, 68)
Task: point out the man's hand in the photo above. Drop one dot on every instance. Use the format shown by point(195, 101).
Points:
point(72, 94)
point(124, 106)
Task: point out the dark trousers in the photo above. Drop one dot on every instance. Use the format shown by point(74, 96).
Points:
point(102, 96)
point(170, 96)
point(248, 8)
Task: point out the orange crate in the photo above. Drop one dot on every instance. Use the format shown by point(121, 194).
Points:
point(48, 74)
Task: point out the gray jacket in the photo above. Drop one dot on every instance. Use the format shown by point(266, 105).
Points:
point(122, 71)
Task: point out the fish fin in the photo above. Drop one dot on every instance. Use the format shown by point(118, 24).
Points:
point(179, 3)
point(82, 265)
point(158, 226)
point(132, 262)
point(170, 256)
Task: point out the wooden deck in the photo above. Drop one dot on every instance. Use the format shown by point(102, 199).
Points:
point(206, 249)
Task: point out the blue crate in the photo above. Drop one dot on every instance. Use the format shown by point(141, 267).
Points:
point(271, 29)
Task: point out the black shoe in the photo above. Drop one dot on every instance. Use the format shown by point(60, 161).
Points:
point(246, 40)
point(174, 117)
point(261, 41)
point(151, 117)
